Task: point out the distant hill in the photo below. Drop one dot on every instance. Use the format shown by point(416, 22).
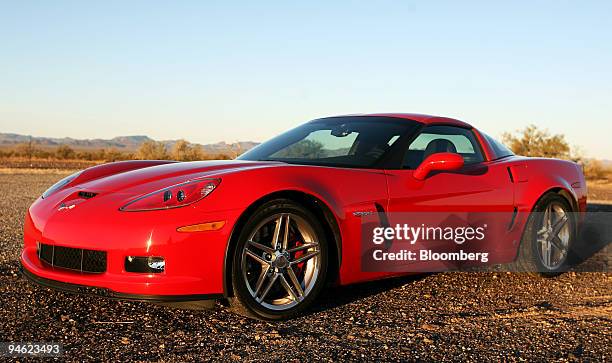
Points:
point(121, 143)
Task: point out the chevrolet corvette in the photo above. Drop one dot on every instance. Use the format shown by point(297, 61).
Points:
point(267, 231)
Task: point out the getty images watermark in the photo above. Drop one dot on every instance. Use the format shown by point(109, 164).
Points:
point(423, 233)
point(442, 241)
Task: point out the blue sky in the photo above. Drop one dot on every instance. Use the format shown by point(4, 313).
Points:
point(209, 71)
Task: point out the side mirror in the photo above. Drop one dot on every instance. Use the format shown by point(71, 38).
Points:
point(438, 162)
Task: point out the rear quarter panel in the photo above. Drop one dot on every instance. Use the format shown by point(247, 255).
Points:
point(534, 177)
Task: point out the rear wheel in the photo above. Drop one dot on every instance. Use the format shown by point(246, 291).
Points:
point(549, 237)
point(280, 262)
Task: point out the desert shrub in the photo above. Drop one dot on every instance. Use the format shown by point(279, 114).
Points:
point(43, 154)
point(185, 151)
point(89, 155)
point(26, 150)
point(303, 149)
point(595, 170)
point(65, 152)
point(115, 155)
point(152, 150)
point(532, 141)
point(220, 157)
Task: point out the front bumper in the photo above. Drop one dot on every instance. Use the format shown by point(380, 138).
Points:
point(107, 293)
point(194, 261)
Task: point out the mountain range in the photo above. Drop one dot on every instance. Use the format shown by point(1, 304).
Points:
point(121, 143)
point(131, 143)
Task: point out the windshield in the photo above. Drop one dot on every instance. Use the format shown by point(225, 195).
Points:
point(355, 141)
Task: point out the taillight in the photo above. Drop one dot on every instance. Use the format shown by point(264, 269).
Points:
point(175, 196)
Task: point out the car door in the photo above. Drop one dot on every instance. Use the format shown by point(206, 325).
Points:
point(475, 193)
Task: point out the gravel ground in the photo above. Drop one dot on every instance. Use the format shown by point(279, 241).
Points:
point(490, 316)
point(600, 191)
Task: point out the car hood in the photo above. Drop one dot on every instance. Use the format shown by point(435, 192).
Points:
point(169, 174)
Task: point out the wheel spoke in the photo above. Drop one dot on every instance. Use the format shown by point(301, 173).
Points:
point(559, 225)
point(303, 247)
point(557, 243)
point(563, 250)
point(261, 247)
point(256, 257)
point(296, 284)
point(543, 232)
point(548, 256)
point(267, 289)
point(261, 279)
point(305, 258)
point(543, 243)
point(286, 236)
point(548, 216)
point(277, 232)
point(288, 288)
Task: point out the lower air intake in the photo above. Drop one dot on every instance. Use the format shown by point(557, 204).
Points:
point(76, 259)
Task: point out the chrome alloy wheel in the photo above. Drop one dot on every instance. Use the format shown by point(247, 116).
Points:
point(281, 261)
point(554, 236)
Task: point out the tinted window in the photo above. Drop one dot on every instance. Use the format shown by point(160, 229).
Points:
point(337, 141)
point(437, 139)
point(500, 150)
point(319, 144)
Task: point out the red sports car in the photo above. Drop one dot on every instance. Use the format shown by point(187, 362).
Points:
point(267, 231)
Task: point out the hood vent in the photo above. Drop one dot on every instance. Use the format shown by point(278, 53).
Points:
point(87, 195)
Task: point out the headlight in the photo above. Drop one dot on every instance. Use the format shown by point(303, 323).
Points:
point(60, 184)
point(176, 196)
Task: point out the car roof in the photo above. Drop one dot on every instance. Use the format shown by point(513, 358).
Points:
point(424, 119)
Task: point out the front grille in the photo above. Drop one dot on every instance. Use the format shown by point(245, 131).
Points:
point(76, 259)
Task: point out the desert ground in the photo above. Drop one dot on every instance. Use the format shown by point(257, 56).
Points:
point(600, 192)
point(484, 316)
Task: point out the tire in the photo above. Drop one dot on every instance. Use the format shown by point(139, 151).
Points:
point(273, 277)
point(532, 257)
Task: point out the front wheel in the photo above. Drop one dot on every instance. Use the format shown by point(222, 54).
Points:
point(280, 262)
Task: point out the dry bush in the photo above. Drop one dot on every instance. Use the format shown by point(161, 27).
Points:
point(182, 150)
point(30, 151)
point(65, 152)
point(185, 151)
point(217, 157)
point(532, 141)
point(594, 170)
point(152, 150)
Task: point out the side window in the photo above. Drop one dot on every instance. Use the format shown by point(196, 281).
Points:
point(438, 139)
point(500, 150)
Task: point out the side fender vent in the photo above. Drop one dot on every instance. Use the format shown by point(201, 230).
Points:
point(513, 220)
point(518, 173)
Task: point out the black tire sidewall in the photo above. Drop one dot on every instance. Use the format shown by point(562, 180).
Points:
point(240, 290)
